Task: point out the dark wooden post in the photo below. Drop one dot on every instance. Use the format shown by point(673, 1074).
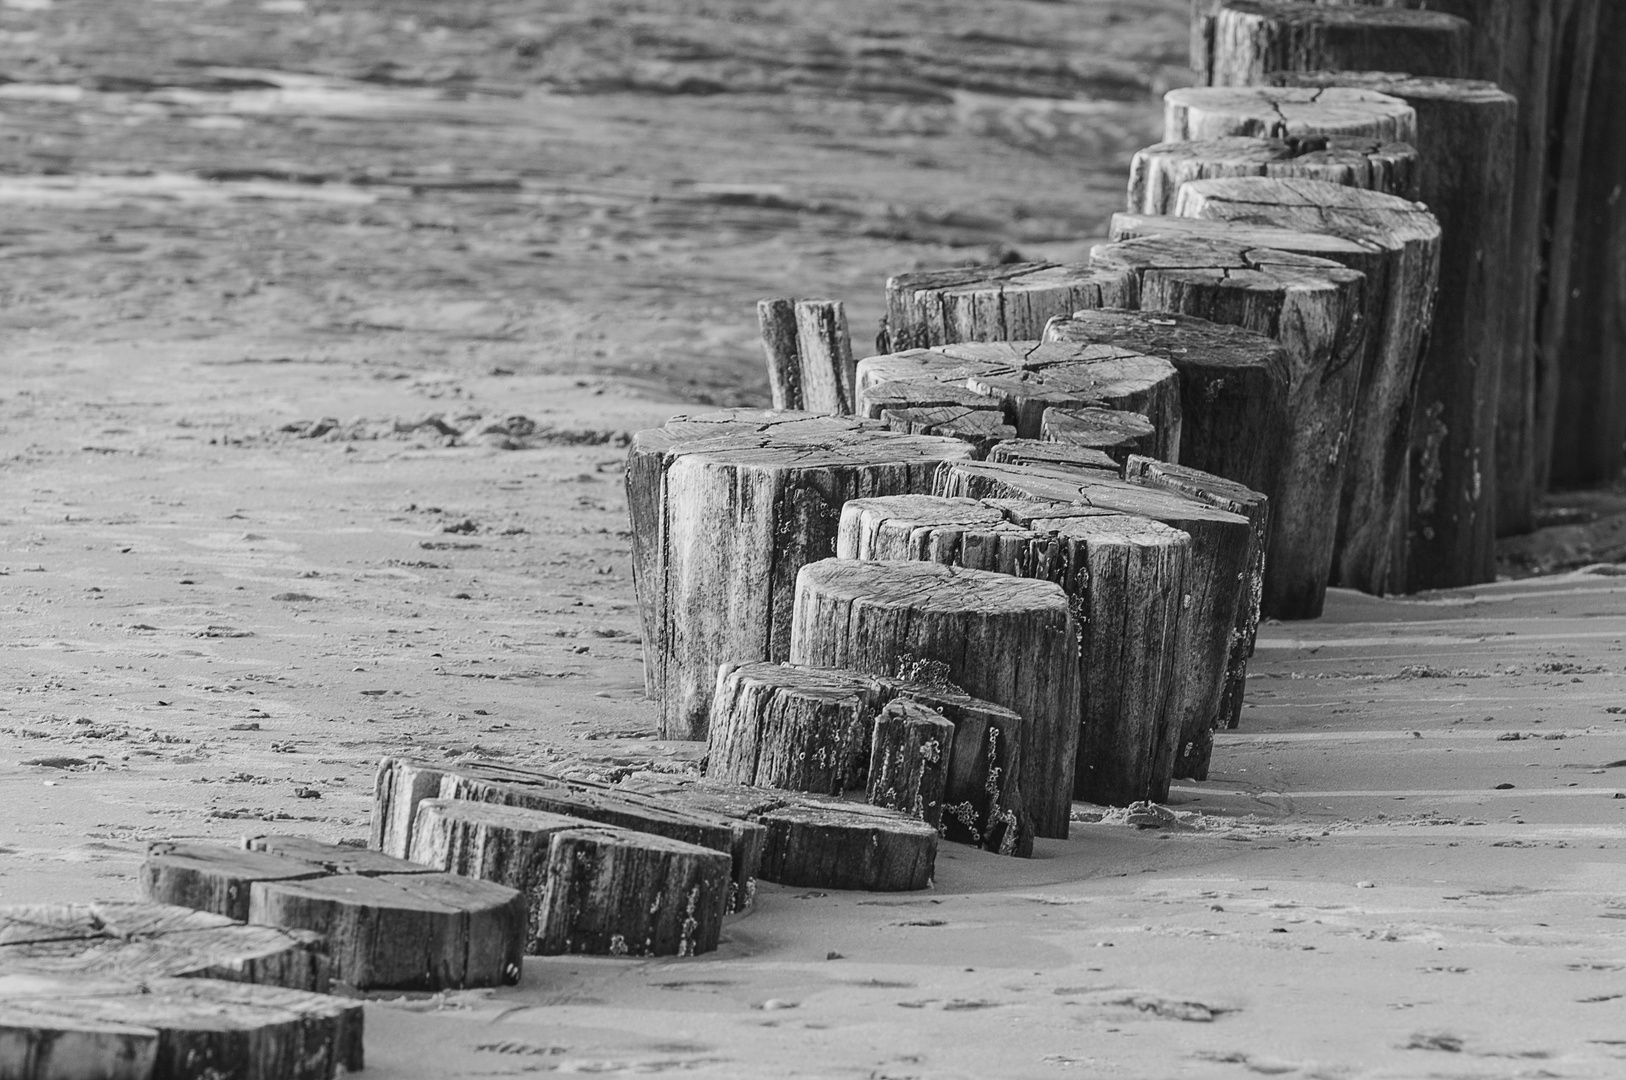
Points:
point(1253, 38)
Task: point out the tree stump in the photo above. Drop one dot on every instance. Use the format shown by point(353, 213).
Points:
point(1004, 639)
point(814, 841)
point(925, 528)
point(1253, 38)
point(1233, 386)
point(404, 932)
point(1116, 434)
point(1400, 285)
point(1192, 113)
point(1313, 307)
point(1197, 742)
point(1156, 173)
point(1044, 452)
point(909, 760)
point(982, 794)
point(139, 940)
point(1000, 302)
point(402, 785)
point(722, 522)
point(57, 1027)
point(1467, 142)
point(803, 729)
point(810, 355)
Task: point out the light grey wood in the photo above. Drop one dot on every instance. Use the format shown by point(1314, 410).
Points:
point(725, 508)
point(954, 532)
point(1116, 434)
point(67, 1028)
point(1004, 639)
point(1042, 452)
point(777, 318)
point(1156, 173)
point(1313, 307)
point(786, 726)
point(1211, 112)
point(826, 351)
point(1000, 302)
point(1373, 519)
point(909, 760)
point(1253, 38)
point(141, 939)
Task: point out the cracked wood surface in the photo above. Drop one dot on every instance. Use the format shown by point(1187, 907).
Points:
point(1156, 173)
point(1204, 112)
point(1252, 38)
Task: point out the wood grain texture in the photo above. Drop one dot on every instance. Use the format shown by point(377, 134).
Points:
point(1044, 452)
point(1373, 513)
point(776, 317)
point(1467, 142)
point(786, 726)
point(406, 931)
point(1116, 434)
point(910, 749)
point(1252, 38)
point(139, 940)
point(212, 877)
point(1211, 112)
point(1002, 302)
point(331, 858)
point(725, 508)
point(826, 351)
point(1004, 639)
point(613, 892)
point(59, 1028)
point(980, 426)
point(1314, 308)
point(954, 532)
point(1156, 173)
point(605, 804)
point(1195, 751)
point(1233, 385)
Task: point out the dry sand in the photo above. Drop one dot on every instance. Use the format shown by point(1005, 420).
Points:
point(223, 609)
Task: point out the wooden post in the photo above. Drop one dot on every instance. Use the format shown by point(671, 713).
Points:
point(147, 940)
point(1313, 307)
point(126, 1028)
point(1271, 112)
point(722, 521)
point(800, 728)
point(1002, 302)
point(1233, 385)
point(909, 760)
point(1041, 452)
point(1156, 173)
point(1005, 639)
point(925, 528)
point(1467, 144)
point(810, 355)
point(1116, 434)
point(1373, 518)
point(1253, 38)
point(1238, 499)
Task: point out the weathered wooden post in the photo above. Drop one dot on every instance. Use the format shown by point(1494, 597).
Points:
point(1156, 173)
point(1467, 146)
point(1253, 38)
point(810, 355)
point(1279, 112)
point(1401, 282)
point(725, 509)
point(799, 728)
point(1313, 307)
point(1005, 639)
point(1004, 302)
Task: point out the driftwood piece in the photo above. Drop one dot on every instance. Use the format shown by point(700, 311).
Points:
point(1212, 112)
point(588, 888)
point(1000, 302)
point(1253, 38)
point(1197, 742)
point(909, 760)
point(1467, 142)
point(1217, 584)
point(784, 726)
point(401, 785)
point(406, 931)
point(1156, 173)
point(1004, 639)
point(982, 793)
point(1023, 378)
point(1044, 452)
point(1313, 307)
point(1116, 434)
point(810, 355)
point(1233, 385)
point(1400, 289)
point(142, 940)
point(725, 509)
point(815, 841)
point(63, 1028)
